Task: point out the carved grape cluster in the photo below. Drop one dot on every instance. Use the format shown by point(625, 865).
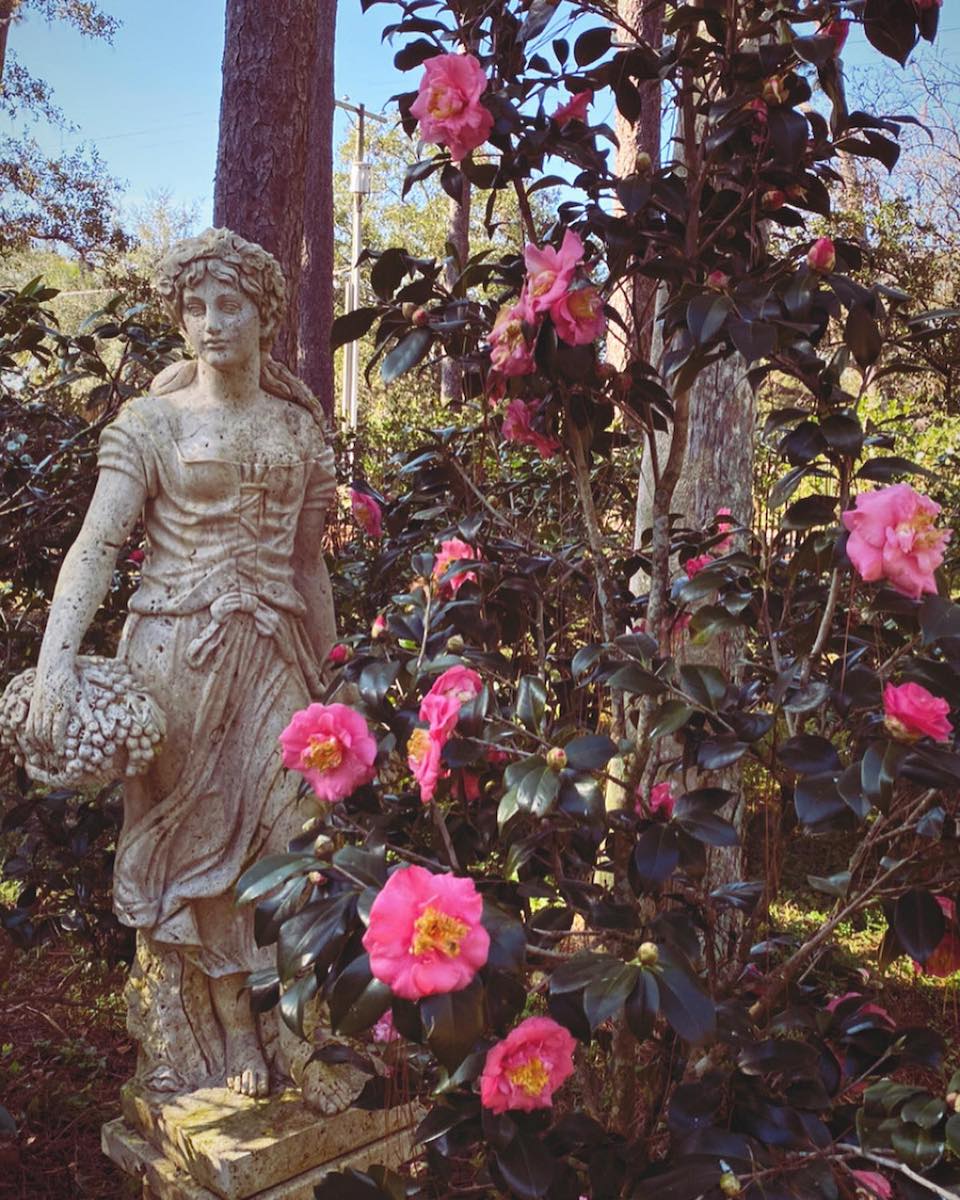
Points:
point(119, 737)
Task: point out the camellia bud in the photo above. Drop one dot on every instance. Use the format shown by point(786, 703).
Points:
point(556, 758)
point(340, 653)
point(408, 310)
point(455, 644)
point(420, 317)
point(953, 1101)
point(648, 955)
point(606, 371)
point(718, 280)
point(773, 199)
point(379, 627)
point(729, 1184)
point(644, 163)
point(822, 255)
point(316, 878)
point(774, 91)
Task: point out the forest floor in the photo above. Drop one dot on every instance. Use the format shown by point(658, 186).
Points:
point(64, 1052)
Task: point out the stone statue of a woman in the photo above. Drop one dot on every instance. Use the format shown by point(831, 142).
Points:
point(226, 462)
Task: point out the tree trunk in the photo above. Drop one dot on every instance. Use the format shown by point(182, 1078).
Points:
point(268, 64)
point(315, 312)
point(458, 235)
point(8, 10)
point(635, 299)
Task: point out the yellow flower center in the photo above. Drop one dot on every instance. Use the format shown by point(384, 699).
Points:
point(584, 303)
point(542, 282)
point(532, 1077)
point(896, 728)
point(436, 930)
point(418, 745)
point(444, 103)
point(322, 754)
point(924, 532)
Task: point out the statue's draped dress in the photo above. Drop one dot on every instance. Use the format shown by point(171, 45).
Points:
point(216, 633)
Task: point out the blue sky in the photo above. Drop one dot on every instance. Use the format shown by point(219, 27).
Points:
point(150, 102)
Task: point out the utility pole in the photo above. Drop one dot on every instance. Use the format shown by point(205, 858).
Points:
point(359, 187)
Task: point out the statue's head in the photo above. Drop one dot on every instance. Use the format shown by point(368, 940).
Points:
point(231, 259)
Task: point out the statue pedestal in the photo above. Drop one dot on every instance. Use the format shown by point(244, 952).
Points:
point(212, 1144)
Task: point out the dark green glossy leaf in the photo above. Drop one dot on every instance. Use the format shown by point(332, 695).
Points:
point(919, 923)
point(590, 752)
point(357, 1000)
point(527, 1167)
point(407, 353)
point(453, 1022)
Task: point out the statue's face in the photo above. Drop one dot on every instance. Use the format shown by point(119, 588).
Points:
point(222, 324)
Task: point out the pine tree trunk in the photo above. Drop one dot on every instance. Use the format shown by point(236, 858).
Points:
point(268, 62)
point(316, 279)
point(8, 9)
point(458, 235)
point(635, 299)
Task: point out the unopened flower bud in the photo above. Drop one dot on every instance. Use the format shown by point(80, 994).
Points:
point(648, 955)
point(822, 255)
point(317, 877)
point(729, 1184)
point(953, 1101)
point(774, 91)
point(606, 371)
point(340, 653)
point(718, 280)
point(379, 627)
point(420, 317)
point(455, 644)
point(408, 309)
point(556, 758)
point(773, 199)
point(644, 163)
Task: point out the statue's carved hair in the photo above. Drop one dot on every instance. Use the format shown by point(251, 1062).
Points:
point(231, 259)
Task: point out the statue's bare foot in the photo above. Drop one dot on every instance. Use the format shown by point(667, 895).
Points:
point(249, 1075)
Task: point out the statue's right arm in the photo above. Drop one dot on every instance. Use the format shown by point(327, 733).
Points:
point(81, 586)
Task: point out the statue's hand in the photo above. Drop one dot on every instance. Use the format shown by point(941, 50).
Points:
point(57, 696)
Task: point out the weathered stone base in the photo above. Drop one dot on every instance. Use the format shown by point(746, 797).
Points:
point(215, 1145)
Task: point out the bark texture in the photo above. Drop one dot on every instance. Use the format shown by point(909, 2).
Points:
point(458, 235)
point(316, 280)
point(8, 9)
point(635, 300)
point(268, 70)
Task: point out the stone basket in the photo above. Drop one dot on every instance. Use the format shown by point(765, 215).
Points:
point(120, 737)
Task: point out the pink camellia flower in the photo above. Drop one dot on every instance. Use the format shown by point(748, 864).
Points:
point(526, 1068)
point(367, 513)
point(441, 711)
point(424, 936)
point(518, 427)
point(448, 104)
point(911, 712)
point(510, 352)
point(694, 566)
point(550, 272)
point(338, 654)
point(871, 1185)
point(722, 527)
point(578, 316)
point(575, 108)
point(332, 748)
point(424, 750)
point(873, 1010)
point(451, 551)
point(759, 109)
point(661, 800)
point(945, 959)
point(892, 537)
point(461, 682)
point(837, 29)
point(822, 256)
point(384, 1031)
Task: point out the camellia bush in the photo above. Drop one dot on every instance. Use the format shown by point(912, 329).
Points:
point(525, 900)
